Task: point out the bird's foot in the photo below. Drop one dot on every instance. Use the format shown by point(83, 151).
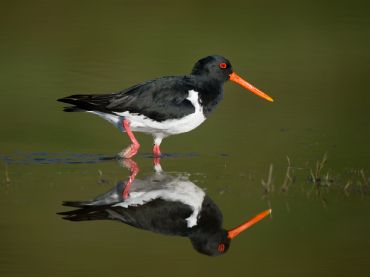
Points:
point(130, 165)
point(157, 165)
point(130, 151)
point(156, 151)
point(134, 168)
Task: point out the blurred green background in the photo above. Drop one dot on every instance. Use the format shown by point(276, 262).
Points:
point(312, 57)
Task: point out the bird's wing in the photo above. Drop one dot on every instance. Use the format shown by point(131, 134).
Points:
point(157, 99)
point(157, 216)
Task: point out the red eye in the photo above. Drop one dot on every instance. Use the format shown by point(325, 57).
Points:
point(223, 65)
point(221, 248)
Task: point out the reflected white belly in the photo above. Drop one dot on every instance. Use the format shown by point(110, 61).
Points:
point(178, 190)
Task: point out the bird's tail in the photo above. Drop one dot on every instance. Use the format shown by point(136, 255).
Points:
point(85, 212)
point(72, 109)
point(81, 102)
point(76, 204)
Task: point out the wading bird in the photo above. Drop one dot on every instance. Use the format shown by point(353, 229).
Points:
point(165, 106)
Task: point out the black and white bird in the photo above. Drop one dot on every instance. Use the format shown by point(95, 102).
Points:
point(165, 106)
point(166, 204)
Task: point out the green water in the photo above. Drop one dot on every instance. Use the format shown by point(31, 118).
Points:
point(312, 57)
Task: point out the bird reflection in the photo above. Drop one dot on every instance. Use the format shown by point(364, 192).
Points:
point(164, 203)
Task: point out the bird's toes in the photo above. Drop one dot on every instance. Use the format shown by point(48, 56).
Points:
point(129, 152)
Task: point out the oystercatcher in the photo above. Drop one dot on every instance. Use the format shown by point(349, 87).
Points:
point(166, 204)
point(164, 106)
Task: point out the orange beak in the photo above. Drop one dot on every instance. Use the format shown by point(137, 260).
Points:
point(237, 79)
point(237, 230)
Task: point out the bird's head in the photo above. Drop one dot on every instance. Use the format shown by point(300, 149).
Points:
point(214, 67)
point(211, 244)
point(218, 242)
point(218, 68)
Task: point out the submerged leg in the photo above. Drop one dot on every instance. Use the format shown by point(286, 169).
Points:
point(157, 165)
point(133, 167)
point(130, 151)
point(156, 149)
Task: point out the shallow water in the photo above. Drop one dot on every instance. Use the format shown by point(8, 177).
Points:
point(311, 57)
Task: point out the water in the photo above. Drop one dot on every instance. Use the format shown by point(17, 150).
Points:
point(311, 57)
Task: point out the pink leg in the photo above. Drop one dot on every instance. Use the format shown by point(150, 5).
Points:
point(130, 151)
point(157, 162)
point(134, 168)
point(157, 155)
point(156, 151)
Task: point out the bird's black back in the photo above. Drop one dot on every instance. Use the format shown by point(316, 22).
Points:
point(158, 216)
point(158, 99)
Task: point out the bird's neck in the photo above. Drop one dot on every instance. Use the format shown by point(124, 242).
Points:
point(210, 216)
point(210, 93)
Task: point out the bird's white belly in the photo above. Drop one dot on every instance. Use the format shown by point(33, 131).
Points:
point(141, 123)
point(183, 191)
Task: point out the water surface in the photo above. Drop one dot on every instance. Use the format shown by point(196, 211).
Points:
point(311, 57)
